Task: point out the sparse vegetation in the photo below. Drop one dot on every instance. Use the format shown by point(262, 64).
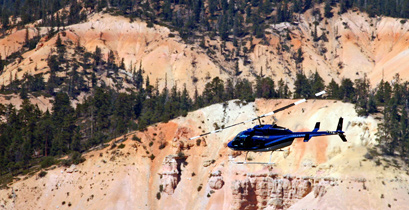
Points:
point(42, 174)
point(75, 158)
point(152, 156)
point(103, 114)
point(162, 145)
point(135, 138)
point(47, 162)
point(181, 154)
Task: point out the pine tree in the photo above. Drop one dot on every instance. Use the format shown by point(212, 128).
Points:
point(317, 83)
point(404, 133)
point(97, 56)
point(362, 88)
point(214, 91)
point(347, 90)
point(63, 120)
point(299, 58)
point(265, 88)
point(229, 90)
point(328, 9)
point(333, 91)
point(383, 93)
point(302, 87)
point(267, 7)
point(244, 90)
point(148, 87)
point(283, 90)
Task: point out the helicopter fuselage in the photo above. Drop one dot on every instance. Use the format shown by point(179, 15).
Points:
point(263, 138)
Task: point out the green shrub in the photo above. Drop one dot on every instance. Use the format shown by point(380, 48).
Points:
point(121, 146)
point(77, 158)
point(47, 162)
point(135, 138)
point(42, 174)
point(181, 154)
point(162, 145)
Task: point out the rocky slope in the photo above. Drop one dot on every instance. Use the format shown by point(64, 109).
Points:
point(355, 45)
point(321, 174)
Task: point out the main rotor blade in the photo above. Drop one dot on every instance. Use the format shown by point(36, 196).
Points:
point(261, 116)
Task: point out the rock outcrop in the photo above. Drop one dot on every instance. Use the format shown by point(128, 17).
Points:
point(216, 180)
point(126, 179)
point(271, 191)
point(170, 176)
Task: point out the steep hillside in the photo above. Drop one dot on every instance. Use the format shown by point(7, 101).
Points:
point(350, 45)
point(166, 170)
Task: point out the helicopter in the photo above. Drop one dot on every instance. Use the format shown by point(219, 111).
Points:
point(271, 137)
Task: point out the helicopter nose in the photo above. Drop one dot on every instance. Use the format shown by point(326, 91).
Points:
point(230, 144)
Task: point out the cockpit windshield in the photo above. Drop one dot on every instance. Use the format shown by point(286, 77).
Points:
point(241, 139)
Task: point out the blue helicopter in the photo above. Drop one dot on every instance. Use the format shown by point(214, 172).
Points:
point(263, 138)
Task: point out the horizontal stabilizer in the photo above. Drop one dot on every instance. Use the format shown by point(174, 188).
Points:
point(342, 136)
point(307, 137)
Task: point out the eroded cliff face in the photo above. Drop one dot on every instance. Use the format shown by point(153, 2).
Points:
point(323, 173)
point(356, 45)
point(274, 191)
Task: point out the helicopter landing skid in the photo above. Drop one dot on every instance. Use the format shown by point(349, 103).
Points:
point(251, 162)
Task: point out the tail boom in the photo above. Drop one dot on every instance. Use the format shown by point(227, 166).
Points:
point(308, 135)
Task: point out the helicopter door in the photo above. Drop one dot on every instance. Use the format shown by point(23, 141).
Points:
point(258, 142)
point(248, 141)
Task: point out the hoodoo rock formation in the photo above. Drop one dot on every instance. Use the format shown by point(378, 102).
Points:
point(161, 168)
point(170, 175)
point(323, 173)
point(271, 191)
point(216, 180)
